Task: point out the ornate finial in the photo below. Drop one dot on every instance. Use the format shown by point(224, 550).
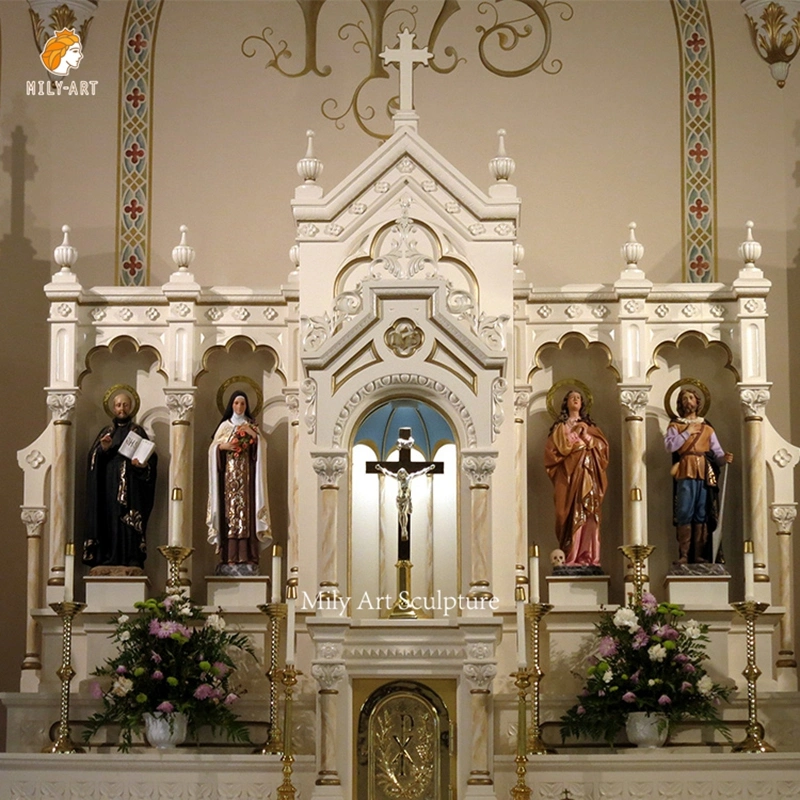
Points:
point(310, 167)
point(749, 249)
point(632, 251)
point(183, 254)
point(502, 166)
point(65, 255)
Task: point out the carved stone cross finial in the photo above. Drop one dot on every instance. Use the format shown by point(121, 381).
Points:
point(405, 55)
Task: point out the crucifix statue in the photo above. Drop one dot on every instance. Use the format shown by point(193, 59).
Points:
point(406, 56)
point(402, 472)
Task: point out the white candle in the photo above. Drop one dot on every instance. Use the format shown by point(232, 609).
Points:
point(290, 626)
point(276, 574)
point(522, 655)
point(749, 572)
point(175, 518)
point(69, 574)
point(534, 573)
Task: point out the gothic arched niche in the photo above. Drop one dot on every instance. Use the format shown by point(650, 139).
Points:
point(692, 355)
point(242, 364)
point(573, 357)
point(373, 541)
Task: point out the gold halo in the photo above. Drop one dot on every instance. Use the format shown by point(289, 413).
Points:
point(222, 402)
point(671, 397)
point(572, 383)
point(116, 389)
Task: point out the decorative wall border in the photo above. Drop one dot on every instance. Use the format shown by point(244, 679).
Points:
point(698, 145)
point(135, 164)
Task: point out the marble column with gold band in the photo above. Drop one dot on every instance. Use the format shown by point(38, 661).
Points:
point(633, 399)
point(62, 481)
point(292, 398)
point(754, 400)
point(522, 399)
point(480, 670)
point(330, 467)
point(33, 518)
point(180, 403)
point(479, 466)
point(784, 515)
point(328, 669)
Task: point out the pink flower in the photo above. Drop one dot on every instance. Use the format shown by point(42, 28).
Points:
point(681, 658)
point(629, 697)
point(649, 604)
point(231, 698)
point(96, 690)
point(158, 675)
point(686, 686)
point(666, 632)
point(689, 668)
point(607, 646)
point(222, 668)
point(121, 669)
point(166, 707)
point(664, 700)
point(580, 710)
point(635, 678)
point(640, 639)
point(155, 657)
point(204, 691)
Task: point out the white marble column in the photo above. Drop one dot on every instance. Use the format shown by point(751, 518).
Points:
point(33, 519)
point(480, 670)
point(784, 515)
point(62, 482)
point(329, 467)
point(479, 467)
point(634, 474)
point(292, 544)
point(180, 403)
point(522, 399)
point(754, 399)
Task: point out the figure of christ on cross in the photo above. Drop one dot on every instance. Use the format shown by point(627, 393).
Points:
point(403, 473)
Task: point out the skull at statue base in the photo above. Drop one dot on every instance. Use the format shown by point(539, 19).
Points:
point(557, 558)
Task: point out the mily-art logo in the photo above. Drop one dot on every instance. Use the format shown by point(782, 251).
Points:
point(62, 52)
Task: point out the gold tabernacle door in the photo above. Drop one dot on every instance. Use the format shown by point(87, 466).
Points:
point(405, 743)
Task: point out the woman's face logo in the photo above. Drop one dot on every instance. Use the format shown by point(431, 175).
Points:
point(62, 52)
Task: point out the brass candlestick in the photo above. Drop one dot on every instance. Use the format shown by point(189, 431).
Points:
point(175, 556)
point(534, 612)
point(522, 680)
point(637, 554)
point(276, 613)
point(67, 612)
point(753, 743)
point(288, 677)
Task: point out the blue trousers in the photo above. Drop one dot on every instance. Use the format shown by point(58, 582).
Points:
point(691, 500)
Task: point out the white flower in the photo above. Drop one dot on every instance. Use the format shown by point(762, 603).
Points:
point(651, 682)
point(122, 686)
point(657, 652)
point(124, 636)
point(123, 618)
point(692, 629)
point(185, 610)
point(705, 685)
point(608, 676)
point(626, 618)
point(216, 622)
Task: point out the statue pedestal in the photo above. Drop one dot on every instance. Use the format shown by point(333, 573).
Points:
point(237, 593)
point(577, 591)
point(113, 593)
point(698, 591)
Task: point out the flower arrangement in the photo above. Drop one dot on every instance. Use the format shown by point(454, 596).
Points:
point(645, 660)
point(171, 658)
point(241, 441)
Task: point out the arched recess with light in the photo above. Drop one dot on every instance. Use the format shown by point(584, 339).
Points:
point(435, 551)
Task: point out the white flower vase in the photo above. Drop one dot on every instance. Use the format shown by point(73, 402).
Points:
point(645, 729)
point(165, 731)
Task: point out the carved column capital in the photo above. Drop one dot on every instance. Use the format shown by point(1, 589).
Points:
point(479, 466)
point(480, 676)
point(291, 397)
point(180, 403)
point(62, 406)
point(328, 675)
point(754, 400)
point(634, 401)
point(522, 399)
point(784, 515)
point(33, 518)
point(329, 468)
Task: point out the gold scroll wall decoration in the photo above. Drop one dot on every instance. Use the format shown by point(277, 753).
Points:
point(510, 26)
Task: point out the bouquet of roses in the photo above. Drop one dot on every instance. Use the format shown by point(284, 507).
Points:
point(171, 658)
point(242, 441)
point(645, 660)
